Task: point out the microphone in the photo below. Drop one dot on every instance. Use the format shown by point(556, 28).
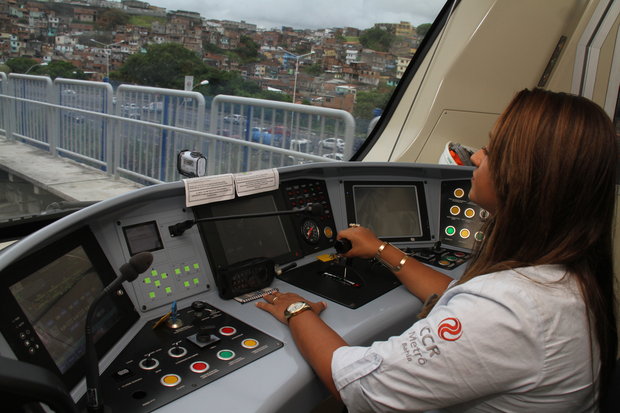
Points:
point(129, 272)
point(315, 209)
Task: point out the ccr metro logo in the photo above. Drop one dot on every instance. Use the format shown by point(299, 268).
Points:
point(450, 329)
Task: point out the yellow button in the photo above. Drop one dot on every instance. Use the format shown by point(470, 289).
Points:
point(170, 380)
point(455, 210)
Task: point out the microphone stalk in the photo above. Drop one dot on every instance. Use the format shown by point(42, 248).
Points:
point(129, 272)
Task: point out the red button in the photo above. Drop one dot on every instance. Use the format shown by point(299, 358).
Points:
point(227, 331)
point(199, 367)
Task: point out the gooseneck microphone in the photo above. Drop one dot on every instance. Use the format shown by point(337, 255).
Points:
point(315, 209)
point(129, 272)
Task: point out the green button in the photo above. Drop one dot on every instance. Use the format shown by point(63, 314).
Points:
point(196, 266)
point(186, 283)
point(147, 280)
point(154, 273)
point(152, 294)
point(164, 275)
point(225, 354)
point(450, 230)
point(196, 280)
point(168, 290)
point(186, 268)
point(177, 271)
point(157, 283)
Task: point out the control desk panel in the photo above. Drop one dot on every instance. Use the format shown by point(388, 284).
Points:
point(168, 340)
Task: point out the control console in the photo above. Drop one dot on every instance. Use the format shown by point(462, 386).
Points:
point(174, 355)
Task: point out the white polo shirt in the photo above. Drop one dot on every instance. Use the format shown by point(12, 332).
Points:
point(509, 341)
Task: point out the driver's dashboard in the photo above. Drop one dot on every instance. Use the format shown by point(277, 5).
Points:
point(169, 340)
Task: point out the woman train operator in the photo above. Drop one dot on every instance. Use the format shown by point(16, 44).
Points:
point(531, 323)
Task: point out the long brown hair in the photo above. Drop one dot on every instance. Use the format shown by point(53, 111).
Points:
point(552, 158)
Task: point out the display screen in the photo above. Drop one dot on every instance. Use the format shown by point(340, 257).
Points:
point(230, 241)
point(388, 211)
point(55, 300)
point(262, 237)
point(44, 300)
point(143, 237)
point(392, 210)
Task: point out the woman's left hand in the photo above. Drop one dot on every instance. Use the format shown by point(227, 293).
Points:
point(277, 302)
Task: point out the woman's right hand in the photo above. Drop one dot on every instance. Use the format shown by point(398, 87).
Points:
point(364, 243)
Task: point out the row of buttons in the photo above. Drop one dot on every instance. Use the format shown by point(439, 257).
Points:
point(199, 367)
point(463, 233)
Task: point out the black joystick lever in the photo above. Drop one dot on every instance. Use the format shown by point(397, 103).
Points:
point(342, 245)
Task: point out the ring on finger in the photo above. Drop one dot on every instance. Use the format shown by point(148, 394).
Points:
point(274, 300)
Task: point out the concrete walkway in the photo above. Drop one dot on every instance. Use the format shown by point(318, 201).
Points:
point(67, 179)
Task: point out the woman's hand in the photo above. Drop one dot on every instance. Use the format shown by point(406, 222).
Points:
point(364, 242)
point(277, 302)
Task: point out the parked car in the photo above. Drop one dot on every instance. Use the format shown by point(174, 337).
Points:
point(234, 118)
point(335, 155)
point(332, 143)
point(300, 145)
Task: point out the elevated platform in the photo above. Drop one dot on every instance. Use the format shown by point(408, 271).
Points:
point(62, 177)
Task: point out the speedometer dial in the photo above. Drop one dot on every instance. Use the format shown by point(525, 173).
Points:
point(310, 231)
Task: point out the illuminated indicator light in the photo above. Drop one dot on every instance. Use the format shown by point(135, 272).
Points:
point(227, 331)
point(186, 268)
point(196, 266)
point(170, 380)
point(249, 343)
point(154, 273)
point(470, 213)
point(164, 275)
point(157, 283)
point(455, 210)
point(465, 233)
point(451, 258)
point(459, 192)
point(196, 280)
point(151, 294)
point(168, 290)
point(225, 354)
point(199, 367)
point(186, 283)
point(450, 230)
point(444, 262)
point(479, 236)
point(177, 271)
point(147, 280)
point(328, 232)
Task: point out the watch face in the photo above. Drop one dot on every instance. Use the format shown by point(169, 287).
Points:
point(295, 307)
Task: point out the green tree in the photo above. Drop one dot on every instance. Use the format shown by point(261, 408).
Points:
point(5, 68)
point(367, 101)
point(20, 64)
point(163, 65)
point(110, 18)
point(313, 70)
point(247, 50)
point(422, 29)
point(59, 68)
point(377, 39)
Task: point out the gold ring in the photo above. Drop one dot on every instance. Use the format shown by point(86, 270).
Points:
point(274, 300)
point(354, 225)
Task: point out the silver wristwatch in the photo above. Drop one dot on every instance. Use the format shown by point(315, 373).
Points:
point(296, 308)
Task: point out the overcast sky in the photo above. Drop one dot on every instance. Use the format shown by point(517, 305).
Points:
point(311, 14)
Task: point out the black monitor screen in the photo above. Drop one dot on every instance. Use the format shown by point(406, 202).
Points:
point(235, 240)
point(50, 292)
point(143, 237)
point(394, 211)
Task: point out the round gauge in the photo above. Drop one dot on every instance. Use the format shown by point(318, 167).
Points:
point(310, 231)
